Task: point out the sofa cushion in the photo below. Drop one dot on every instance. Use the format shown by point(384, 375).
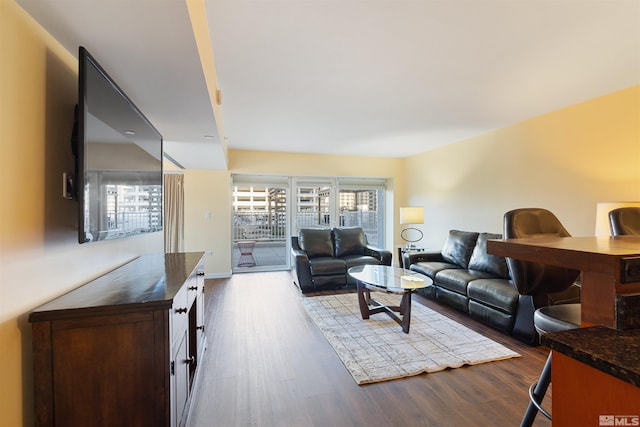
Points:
point(431, 268)
point(327, 266)
point(316, 242)
point(457, 279)
point(459, 246)
point(499, 294)
point(483, 261)
point(349, 241)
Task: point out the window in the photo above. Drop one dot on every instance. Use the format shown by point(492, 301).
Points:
point(341, 202)
point(265, 216)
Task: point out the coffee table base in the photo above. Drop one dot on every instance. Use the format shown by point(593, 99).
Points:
point(369, 306)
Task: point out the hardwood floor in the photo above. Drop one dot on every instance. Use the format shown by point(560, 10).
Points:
point(268, 365)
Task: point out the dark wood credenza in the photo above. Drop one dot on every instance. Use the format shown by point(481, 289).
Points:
point(124, 349)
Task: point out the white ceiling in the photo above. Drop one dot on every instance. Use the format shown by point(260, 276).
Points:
point(351, 77)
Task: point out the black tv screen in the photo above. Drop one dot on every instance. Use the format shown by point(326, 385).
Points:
point(119, 160)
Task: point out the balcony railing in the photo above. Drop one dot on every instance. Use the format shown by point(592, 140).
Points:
point(262, 226)
point(258, 225)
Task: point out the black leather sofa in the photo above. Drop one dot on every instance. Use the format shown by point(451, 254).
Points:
point(469, 279)
point(321, 257)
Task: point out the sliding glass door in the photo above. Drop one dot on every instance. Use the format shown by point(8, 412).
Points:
point(314, 204)
point(360, 207)
point(260, 224)
point(267, 211)
point(341, 202)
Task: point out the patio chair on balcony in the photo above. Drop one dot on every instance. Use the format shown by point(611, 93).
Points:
point(246, 253)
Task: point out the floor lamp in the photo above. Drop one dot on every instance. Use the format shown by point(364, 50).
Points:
point(411, 215)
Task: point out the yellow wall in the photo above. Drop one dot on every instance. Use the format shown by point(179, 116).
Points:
point(270, 163)
point(565, 161)
point(208, 218)
point(39, 254)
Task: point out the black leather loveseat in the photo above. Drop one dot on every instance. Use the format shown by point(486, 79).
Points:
point(321, 257)
point(466, 277)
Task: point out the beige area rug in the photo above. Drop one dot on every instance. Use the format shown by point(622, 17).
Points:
point(376, 349)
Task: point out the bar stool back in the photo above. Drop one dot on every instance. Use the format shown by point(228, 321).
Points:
point(538, 281)
point(625, 221)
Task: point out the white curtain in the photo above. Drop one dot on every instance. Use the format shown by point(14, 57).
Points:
point(173, 213)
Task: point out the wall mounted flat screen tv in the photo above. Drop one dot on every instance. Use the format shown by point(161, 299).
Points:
point(118, 160)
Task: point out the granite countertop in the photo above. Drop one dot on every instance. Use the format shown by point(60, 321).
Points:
point(612, 351)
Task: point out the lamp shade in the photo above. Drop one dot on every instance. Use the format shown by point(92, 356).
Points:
point(412, 215)
point(602, 215)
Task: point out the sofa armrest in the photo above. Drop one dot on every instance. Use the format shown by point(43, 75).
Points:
point(381, 254)
point(301, 269)
point(413, 258)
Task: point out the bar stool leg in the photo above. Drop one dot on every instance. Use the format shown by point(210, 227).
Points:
point(536, 395)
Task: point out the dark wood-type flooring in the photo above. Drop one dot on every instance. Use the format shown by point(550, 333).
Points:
point(268, 365)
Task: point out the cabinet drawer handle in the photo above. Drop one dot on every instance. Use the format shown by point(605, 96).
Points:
point(192, 288)
point(181, 310)
point(201, 327)
point(200, 273)
point(190, 360)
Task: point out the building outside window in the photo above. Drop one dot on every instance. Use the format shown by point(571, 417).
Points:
point(264, 220)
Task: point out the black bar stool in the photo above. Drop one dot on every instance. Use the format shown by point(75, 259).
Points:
point(625, 221)
point(554, 318)
point(537, 282)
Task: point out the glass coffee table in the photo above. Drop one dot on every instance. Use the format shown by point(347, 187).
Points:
point(382, 278)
